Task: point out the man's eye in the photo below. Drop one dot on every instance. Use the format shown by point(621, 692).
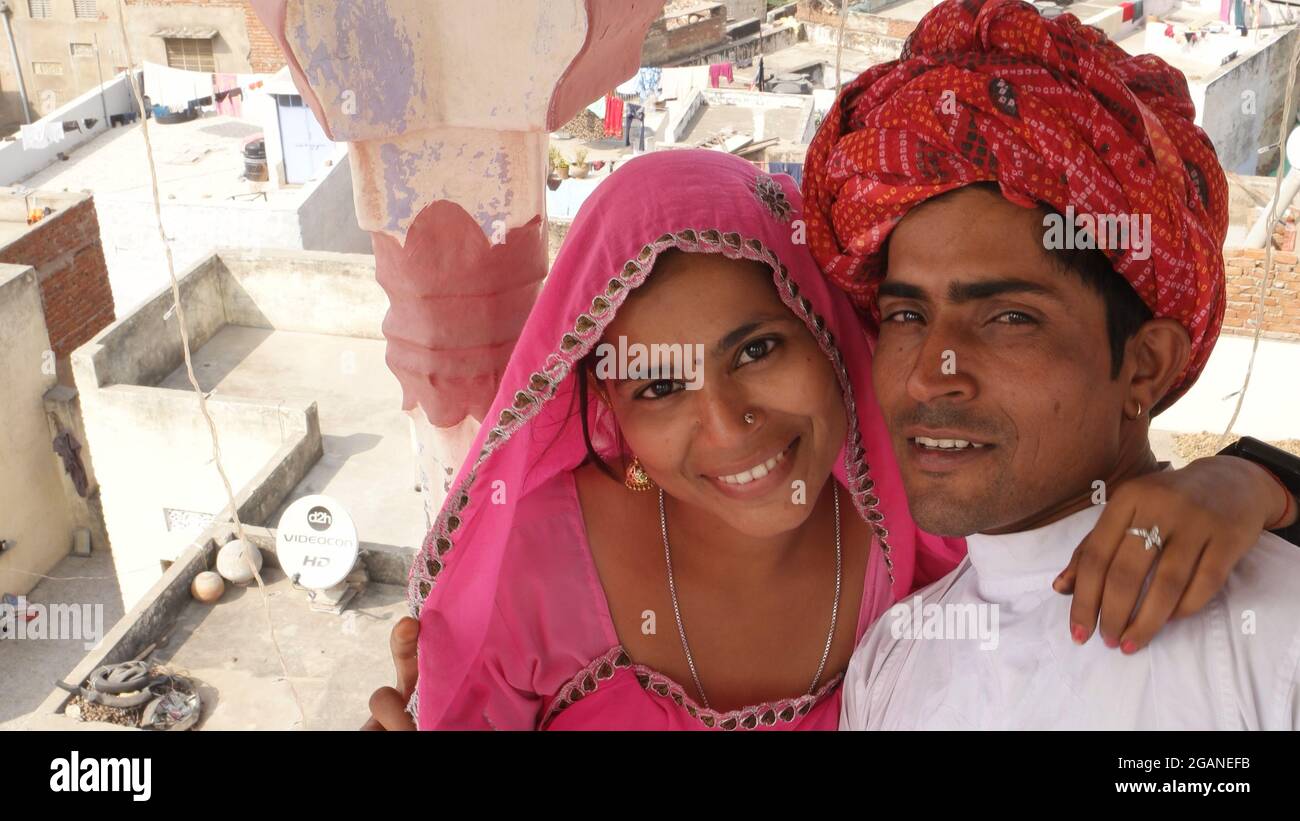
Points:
point(903, 316)
point(1015, 318)
point(755, 350)
point(659, 389)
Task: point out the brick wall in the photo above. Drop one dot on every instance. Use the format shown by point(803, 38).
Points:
point(826, 13)
point(1245, 270)
point(663, 45)
point(264, 54)
point(64, 249)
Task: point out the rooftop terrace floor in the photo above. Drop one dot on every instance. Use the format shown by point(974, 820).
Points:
point(368, 464)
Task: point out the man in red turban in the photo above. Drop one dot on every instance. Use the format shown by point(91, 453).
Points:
point(1053, 113)
point(1017, 378)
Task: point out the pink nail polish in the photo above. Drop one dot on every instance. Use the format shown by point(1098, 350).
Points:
point(1111, 643)
point(1078, 633)
point(1128, 648)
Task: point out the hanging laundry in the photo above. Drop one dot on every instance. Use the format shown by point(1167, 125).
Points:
point(719, 72)
point(174, 88)
point(632, 114)
point(613, 116)
point(34, 136)
point(648, 82)
point(225, 86)
point(69, 449)
point(54, 132)
point(678, 83)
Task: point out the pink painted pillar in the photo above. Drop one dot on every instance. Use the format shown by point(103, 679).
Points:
point(447, 107)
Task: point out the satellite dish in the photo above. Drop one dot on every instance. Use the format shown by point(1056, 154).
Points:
point(316, 542)
point(1293, 148)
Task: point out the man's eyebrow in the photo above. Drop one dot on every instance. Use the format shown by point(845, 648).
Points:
point(902, 290)
point(739, 333)
point(969, 291)
point(985, 289)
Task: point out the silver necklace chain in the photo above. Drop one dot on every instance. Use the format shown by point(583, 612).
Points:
point(681, 629)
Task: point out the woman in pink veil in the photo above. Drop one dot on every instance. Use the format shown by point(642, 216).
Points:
point(545, 589)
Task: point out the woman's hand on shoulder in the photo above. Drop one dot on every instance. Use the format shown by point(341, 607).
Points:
point(1209, 514)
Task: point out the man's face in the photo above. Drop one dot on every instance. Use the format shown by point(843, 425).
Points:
point(985, 340)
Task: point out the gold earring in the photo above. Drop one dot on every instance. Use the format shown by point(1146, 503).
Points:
point(637, 479)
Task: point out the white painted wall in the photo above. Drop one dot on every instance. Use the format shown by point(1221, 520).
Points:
point(17, 164)
point(34, 512)
point(1237, 130)
point(328, 218)
point(151, 446)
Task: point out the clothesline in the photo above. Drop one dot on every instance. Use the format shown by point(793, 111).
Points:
point(40, 135)
point(215, 98)
point(35, 136)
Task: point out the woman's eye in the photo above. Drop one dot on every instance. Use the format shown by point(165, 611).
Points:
point(757, 349)
point(659, 389)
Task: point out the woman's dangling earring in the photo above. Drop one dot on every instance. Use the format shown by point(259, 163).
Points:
point(637, 478)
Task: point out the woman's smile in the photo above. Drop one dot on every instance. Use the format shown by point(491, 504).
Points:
point(759, 478)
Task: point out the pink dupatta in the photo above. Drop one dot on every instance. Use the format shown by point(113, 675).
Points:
point(697, 201)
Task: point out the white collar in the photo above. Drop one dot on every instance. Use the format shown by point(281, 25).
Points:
point(1013, 564)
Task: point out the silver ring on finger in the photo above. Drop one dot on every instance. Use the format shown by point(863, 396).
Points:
point(1150, 537)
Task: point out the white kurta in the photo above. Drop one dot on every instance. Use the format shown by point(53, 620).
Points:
point(1234, 665)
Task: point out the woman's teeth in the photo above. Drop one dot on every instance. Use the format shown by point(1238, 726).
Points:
point(756, 472)
point(946, 444)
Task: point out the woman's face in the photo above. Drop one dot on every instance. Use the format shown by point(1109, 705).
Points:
point(750, 354)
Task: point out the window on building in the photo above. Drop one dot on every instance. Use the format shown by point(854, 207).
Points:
point(191, 54)
point(82, 49)
point(47, 68)
point(39, 8)
point(85, 9)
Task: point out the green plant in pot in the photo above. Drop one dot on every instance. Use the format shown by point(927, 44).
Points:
point(553, 171)
point(580, 168)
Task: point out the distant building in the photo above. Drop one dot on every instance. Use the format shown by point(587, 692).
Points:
point(54, 296)
point(65, 45)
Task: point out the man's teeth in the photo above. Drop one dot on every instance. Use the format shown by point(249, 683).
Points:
point(756, 472)
point(946, 444)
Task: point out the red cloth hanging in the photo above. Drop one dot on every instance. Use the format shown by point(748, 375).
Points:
point(613, 115)
point(719, 71)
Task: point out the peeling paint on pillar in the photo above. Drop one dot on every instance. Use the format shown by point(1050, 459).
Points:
point(447, 139)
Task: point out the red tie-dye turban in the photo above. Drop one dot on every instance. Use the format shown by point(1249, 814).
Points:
point(988, 90)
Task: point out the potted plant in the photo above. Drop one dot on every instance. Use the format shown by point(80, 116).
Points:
point(553, 175)
point(579, 169)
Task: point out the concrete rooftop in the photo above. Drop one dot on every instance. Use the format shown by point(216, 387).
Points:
point(334, 661)
point(17, 201)
point(200, 161)
point(802, 54)
point(1202, 62)
point(38, 664)
point(368, 464)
